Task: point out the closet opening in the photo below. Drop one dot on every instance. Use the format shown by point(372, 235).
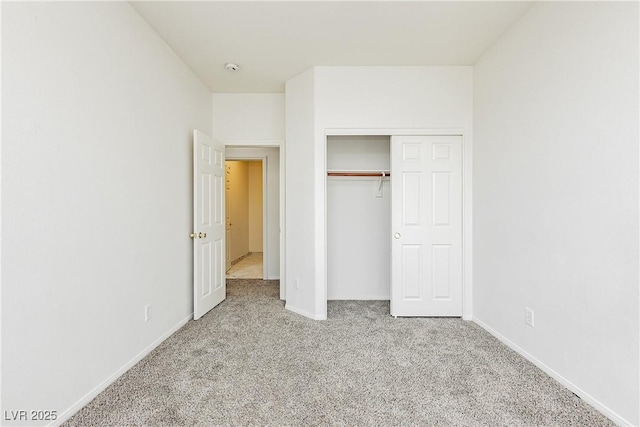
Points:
point(396, 238)
point(358, 217)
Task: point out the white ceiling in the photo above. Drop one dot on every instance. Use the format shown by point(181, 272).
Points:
point(274, 41)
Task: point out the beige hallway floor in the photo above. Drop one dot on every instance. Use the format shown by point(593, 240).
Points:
point(248, 268)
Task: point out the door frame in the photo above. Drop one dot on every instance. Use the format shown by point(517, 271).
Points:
point(263, 161)
point(467, 212)
point(280, 145)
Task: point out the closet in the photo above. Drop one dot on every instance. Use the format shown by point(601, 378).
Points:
point(394, 222)
point(358, 217)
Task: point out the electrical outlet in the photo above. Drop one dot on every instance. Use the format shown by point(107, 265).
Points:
point(147, 312)
point(528, 316)
point(296, 283)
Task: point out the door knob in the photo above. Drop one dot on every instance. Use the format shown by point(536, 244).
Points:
point(205, 235)
point(397, 236)
point(192, 235)
point(200, 235)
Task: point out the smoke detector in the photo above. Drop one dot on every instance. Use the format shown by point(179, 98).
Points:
point(230, 66)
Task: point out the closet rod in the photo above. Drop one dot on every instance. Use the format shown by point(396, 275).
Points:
point(376, 174)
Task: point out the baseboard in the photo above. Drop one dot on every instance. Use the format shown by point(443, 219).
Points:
point(305, 313)
point(359, 298)
point(64, 416)
point(240, 258)
point(612, 415)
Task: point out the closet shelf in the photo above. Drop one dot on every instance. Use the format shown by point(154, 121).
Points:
point(381, 174)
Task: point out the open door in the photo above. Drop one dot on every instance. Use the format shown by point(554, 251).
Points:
point(209, 282)
point(426, 224)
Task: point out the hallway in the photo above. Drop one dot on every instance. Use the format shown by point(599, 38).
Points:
point(247, 268)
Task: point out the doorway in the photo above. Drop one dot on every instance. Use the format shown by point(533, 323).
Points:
point(245, 219)
point(272, 205)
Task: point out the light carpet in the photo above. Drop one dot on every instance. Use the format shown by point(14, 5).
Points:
point(251, 362)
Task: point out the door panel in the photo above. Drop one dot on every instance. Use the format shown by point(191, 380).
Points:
point(209, 287)
point(426, 218)
point(412, 274)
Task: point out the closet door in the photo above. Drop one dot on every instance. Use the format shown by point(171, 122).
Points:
point(426, 225)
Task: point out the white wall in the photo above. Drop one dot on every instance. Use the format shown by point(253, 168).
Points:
point(97, 121)
point(401, 98)
point(255, 206)
point(394, 97)
point(249, 118)
point(358, 219)
point(272, 201)
point(556, 196)
point(300, 209)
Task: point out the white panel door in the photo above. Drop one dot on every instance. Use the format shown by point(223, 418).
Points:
point(426, 226)
point(209, 280)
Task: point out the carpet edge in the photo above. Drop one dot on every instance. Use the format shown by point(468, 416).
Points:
point(83, 401)
point(596, 404)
